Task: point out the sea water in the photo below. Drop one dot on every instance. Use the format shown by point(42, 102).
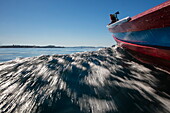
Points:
point(7, 54)
point(107, 80)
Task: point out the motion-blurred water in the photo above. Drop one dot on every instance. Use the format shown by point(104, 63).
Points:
point(103, 81)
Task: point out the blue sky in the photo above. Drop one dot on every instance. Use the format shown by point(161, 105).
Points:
point(64, 22)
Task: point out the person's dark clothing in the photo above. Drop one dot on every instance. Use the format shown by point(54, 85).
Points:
point(112, 18)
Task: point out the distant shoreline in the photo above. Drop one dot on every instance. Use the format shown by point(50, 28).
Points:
point(27, 46)
point(49, 46)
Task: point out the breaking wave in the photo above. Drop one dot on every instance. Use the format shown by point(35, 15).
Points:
point(103, 81)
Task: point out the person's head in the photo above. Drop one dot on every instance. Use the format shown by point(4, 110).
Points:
point(112, 14)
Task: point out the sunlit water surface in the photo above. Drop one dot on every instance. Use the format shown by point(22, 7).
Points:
point(7, 54)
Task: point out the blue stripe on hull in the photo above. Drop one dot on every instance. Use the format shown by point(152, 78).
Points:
point(153, 37)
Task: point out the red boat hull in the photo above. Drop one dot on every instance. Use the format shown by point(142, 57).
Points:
point(155, 56)
point(147, 36)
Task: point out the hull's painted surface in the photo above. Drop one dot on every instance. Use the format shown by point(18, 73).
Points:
point(146, 50)
point(159, 57)
point(153, 37)
point(147, 36)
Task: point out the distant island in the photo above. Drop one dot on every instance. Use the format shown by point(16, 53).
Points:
point(49, 46)
point(29, 46)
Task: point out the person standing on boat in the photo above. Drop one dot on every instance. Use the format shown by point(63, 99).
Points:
point(113, 17)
